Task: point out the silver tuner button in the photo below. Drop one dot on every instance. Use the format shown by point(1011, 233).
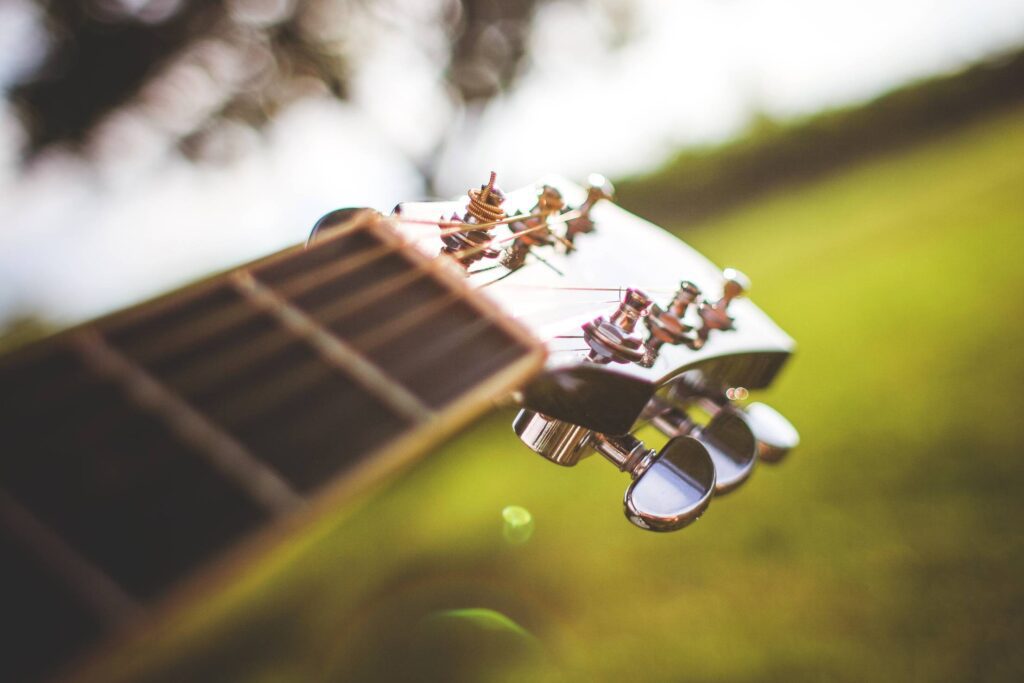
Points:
point(728, 439)
point(612, 340)
point(716, 315)
point(775, 435)
point(674, 490)
point(560, 442)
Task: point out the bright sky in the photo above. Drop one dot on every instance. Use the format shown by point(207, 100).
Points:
point(76, 240)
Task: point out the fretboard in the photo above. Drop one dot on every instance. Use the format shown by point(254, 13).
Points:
point(138, 448)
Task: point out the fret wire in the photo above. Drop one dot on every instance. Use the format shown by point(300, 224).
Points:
point(236, 312)
point(221, 450)
point(217, 369)
point(291, 381)
point(334, 350)
point(198, 377)
point(104, 596)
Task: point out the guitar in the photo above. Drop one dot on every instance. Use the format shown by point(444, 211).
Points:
point(153, 455)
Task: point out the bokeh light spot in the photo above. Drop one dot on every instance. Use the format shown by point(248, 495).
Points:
point(518, 524)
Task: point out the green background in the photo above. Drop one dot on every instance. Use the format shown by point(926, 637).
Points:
point(888, 547)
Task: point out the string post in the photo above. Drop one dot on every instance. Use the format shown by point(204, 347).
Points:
point(666, 325)
point(484, 205)
point(613, 340)
point(534, 230)
point(483, 212)
point(599, 189)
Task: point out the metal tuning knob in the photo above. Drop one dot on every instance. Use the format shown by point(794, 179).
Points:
point(666, 325)
point(599, 188)
point(715, 316)
point(728, 439)
point(774, 434)
point(612, 340)
point(671, 488)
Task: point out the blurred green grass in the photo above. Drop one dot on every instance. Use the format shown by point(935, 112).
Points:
point(889, 547)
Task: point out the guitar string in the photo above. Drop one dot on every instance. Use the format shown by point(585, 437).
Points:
point(213, 374)
point(238, 310)
point(348, 305)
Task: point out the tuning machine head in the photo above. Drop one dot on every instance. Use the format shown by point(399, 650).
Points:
point(666, 325)
point(727, 437)
point(598, 188)
point(716, 315)
point(671, 488)
point(674, 490)
point(774, 435)
point(612, 340)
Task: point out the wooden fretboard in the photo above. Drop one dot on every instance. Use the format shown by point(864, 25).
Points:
point(138, 448)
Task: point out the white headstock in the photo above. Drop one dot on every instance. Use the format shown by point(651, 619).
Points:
point(577, 405)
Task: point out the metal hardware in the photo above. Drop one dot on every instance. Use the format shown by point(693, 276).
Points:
point(612, 340)
point(483, 208)
point(666, 325)
point(729, 441)
point(535, 230)
point(670, 488)
point(774, 434)
point(598, 188)
point(716, 316)
point(563, 443)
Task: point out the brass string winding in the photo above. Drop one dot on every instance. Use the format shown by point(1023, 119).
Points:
point(485, 204)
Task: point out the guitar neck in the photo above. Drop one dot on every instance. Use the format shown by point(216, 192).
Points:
point(140, 447)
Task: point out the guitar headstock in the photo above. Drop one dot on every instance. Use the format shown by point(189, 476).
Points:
point(639, 328)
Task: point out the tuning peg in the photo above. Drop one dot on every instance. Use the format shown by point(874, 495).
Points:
point(775, 435)
point(599, 188)
point(728, 439)
point(715, 315)
point(612, 340)
point(666, 325)
point(671, 488)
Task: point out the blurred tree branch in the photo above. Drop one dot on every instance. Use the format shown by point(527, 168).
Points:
point(254, 57)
